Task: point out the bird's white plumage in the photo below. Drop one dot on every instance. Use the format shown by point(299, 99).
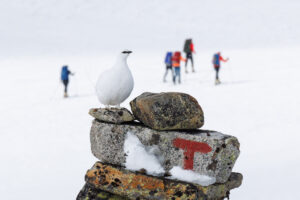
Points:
point(115, 85)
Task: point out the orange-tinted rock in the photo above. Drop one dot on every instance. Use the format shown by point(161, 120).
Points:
point(132, 185)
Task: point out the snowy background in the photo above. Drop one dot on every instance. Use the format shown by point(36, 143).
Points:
point(44, 139)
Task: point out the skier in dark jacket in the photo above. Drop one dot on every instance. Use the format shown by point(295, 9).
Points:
point(65, 72)
point(168, 62)
point(217, 58)
point(189, 50)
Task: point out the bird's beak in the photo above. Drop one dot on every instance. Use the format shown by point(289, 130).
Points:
point(128, 52)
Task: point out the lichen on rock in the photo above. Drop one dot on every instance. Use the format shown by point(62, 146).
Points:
point(205, 152)
point(112, 115)
point(168, 111)
point(133, 185)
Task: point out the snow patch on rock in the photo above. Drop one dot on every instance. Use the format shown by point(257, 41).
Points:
point(190, 176)
point(139, 157)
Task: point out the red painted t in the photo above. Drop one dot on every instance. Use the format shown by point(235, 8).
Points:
point(190, 147)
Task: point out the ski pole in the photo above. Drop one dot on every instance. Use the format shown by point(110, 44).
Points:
point(89, 77)
point(54, 92)
point(230, 72)
point(76, 86)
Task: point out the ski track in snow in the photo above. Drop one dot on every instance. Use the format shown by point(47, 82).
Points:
point(44, 139)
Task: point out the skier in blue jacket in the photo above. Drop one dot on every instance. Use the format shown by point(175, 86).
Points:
point(65, 72)
point(168, 62)
point(217, 58)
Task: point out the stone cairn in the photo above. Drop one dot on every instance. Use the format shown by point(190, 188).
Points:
point(170, 121)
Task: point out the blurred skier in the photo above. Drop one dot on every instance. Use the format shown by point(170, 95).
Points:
point(189, 50)
point(65, 72)
point(217, 58)
point(176, 58)
point(168, 62)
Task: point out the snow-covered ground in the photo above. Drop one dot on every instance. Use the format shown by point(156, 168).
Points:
point(44, 139)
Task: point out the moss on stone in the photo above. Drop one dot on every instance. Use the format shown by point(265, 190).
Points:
point(102, 195)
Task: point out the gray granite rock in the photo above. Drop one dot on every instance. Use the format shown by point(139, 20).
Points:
point(168, 111)
point(205, 152)
point(112, 115)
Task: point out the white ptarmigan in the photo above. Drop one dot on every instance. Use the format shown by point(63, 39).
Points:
point(115, 85)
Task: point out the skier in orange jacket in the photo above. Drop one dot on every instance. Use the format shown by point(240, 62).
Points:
point(176, 58)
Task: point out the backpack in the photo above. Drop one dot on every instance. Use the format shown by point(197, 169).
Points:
point(216, 59)
point(64, 73)
point(187, 46)
point(176, 57)
point(168, 59)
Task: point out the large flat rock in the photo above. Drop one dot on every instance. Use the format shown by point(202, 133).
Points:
point(205, 152)
point(127, 184)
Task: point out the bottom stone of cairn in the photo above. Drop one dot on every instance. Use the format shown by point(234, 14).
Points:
point(105, 181)
point(89, 192)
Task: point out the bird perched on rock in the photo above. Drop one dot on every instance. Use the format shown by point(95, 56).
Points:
point(115, 85)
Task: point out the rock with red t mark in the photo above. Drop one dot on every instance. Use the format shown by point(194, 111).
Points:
point(205, 152)
point(168, 111)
